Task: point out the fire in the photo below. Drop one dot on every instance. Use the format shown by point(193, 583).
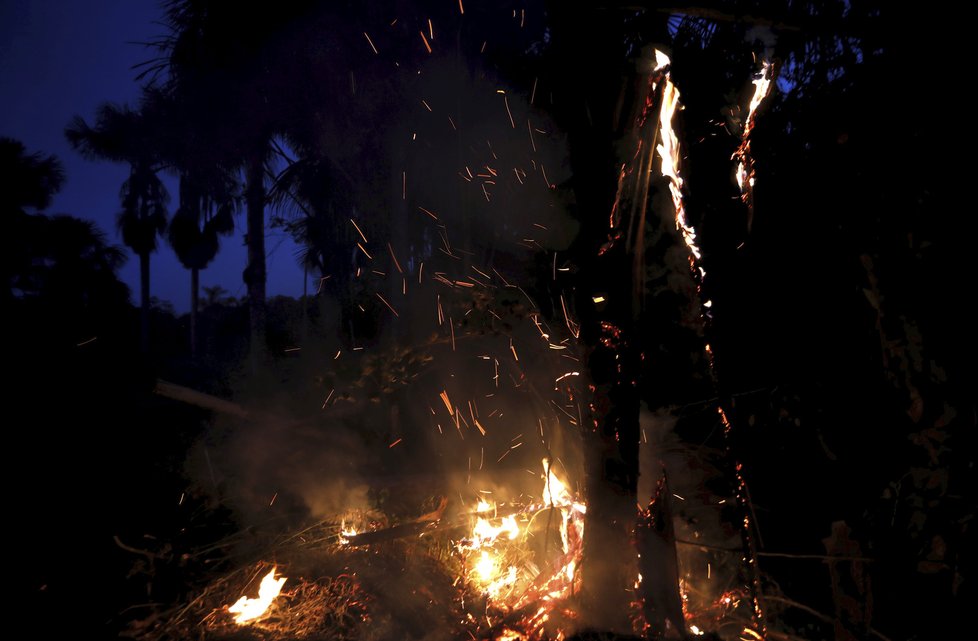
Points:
point(745, 164)
point(487, 569)
point(669, 155)
point(246, 609)
point(492, 551)
point(346, 533)
point(762, 87)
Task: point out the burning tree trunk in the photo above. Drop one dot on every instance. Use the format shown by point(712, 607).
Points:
point(588, 96)
point(611, 130)
point(658, 566)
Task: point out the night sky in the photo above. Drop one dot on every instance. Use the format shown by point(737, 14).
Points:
point(60, 58)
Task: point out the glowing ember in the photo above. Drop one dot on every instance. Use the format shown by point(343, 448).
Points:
point(246, 609)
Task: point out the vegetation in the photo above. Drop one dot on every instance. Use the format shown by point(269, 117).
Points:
point(442, 233)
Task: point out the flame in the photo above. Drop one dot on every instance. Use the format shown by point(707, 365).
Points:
point(486, 571)
point(745, 164)
point(669, 154)
point(762, 87)
point(487, 552)
point(246, 609)
point(346, 533)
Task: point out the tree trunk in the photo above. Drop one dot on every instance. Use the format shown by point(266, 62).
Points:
point(194, 302)
point(597, 96)
point(254, 274)
point(611, 438)
point(144, 302)
point(305, 305)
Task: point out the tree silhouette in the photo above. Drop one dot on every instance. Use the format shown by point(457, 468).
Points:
point(31, 182)
point(231, 64)
point(53, 267)
point(122, 134)
point(208, 192)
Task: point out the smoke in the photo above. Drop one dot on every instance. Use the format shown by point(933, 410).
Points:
point(282, 470)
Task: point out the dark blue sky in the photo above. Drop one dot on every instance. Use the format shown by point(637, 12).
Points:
point(59, 58)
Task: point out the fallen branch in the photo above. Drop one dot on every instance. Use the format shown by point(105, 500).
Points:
point(200, 399)
point(818, 615)
point(783, 555)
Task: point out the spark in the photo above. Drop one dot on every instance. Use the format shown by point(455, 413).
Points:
point(384, 301)
point(508, 112)
point(446, 401)
point(425, 41)
point(396, 263)
point(359, 231)
point(365, 251)
point(543, 170)
point(371, 43)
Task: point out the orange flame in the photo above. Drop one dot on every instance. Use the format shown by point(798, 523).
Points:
point(485, 550)
point(669, 154)
point(246, 609)
point(745, 164)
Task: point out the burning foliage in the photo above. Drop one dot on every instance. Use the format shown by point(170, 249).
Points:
point(480, 574)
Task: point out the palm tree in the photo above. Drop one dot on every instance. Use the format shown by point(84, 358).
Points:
point(122, 134)
point(230, 61)
point(208, 200)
